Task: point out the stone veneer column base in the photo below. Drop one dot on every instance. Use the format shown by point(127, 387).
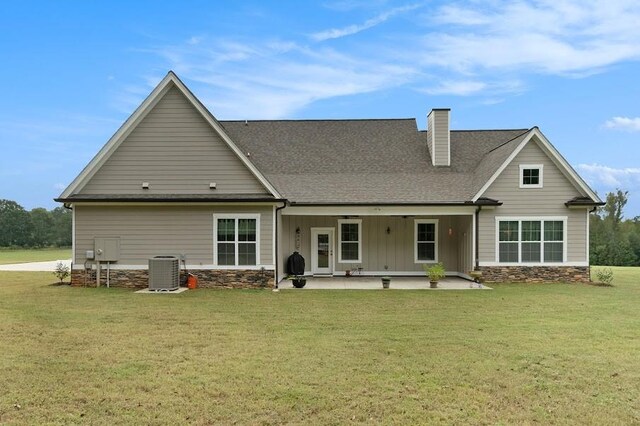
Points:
point(139, 278)
point(535, 274)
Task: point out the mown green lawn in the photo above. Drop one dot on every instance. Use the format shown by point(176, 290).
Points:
point(33, 255)
point(518, 354)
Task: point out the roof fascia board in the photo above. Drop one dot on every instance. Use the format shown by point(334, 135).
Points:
point(173, 204)
point(120, 135)
point(503, 166)
point(380, 210)
point(555, 156)
point(213, 122)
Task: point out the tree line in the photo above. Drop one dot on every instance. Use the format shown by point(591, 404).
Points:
point(36, 228)
point(614, 241)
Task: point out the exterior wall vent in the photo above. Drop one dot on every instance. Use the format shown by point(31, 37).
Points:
point(164, 273)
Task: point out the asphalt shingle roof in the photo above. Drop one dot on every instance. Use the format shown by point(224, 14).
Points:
point(369, 161)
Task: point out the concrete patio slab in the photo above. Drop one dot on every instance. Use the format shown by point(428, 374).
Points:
point(49, 266)
point(374, 283)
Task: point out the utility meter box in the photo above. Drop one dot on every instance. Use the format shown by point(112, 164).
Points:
point(107, 249)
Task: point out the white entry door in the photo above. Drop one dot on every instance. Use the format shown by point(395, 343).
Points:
point(322, 251)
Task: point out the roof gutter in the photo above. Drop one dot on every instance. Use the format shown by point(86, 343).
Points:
point(167, 200)
point(480, 202)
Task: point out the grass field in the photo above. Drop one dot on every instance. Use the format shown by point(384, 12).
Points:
point(33, 255)
point(518, 354)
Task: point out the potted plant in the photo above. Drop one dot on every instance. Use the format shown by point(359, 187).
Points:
point(435, 273)
point(477, 276)
point(298, 281)
point(386, 281)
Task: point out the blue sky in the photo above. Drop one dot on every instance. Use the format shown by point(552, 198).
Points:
point(73, 71)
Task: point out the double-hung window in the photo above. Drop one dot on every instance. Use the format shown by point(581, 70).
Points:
point(531, 175)
point(350, 240)
point(531, 240)
point(426, 241)
point(236, 239)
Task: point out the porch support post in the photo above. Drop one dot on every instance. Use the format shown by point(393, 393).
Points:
point(475, 238)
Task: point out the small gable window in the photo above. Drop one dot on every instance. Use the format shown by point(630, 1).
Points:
point(530, 175)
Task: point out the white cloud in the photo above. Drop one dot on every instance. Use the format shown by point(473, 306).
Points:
point(356, 28)
point(623, 123)
point(609, 177)
point(274, 79)
point(459, 88)
point(473, 87)
point(567, 37)
point(488, 50)
point(59, 186)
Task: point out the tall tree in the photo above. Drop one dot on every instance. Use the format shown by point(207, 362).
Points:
point(15, 225)
point(611, 242)
point(42, 227)
point(614, 208)
point(62, 225)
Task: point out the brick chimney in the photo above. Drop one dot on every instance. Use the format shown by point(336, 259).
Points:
point(438, 138)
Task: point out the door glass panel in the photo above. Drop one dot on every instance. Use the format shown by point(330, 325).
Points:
point(323, 250)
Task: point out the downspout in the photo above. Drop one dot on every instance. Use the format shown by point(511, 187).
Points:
point(477, 259)
point(275, 281)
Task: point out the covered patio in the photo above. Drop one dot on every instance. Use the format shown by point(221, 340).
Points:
point(374, 283)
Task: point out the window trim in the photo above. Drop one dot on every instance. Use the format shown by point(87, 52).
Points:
point(416, 222)
point(350, 221)
point(539, 167)
point(542, 219)
point(235, 216)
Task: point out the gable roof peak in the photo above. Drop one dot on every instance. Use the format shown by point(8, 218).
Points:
point(134, 119)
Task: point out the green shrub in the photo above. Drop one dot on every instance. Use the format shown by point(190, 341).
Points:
point(604, 275)
point(61, 272)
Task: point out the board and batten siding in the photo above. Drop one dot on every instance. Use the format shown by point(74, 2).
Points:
point(147, 231)
point(546, 201)
point(177, 152)
point(394, 250)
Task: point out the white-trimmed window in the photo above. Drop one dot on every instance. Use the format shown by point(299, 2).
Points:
point(531, 175)
point(531, 240)
point(236, 239)
point(426, 241)
point(350, 240)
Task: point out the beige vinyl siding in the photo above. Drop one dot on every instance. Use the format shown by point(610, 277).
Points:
point(379, 249)
point(147, 231)
point(438, 137)
point(177, 152)
point(546, 201)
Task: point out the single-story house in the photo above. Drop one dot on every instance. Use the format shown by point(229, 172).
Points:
point(376, 197)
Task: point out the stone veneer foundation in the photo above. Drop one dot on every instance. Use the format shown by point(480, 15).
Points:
point(535, 274)
point(139, 278)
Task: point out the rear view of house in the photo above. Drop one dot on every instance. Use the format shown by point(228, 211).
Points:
point(236, 198)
